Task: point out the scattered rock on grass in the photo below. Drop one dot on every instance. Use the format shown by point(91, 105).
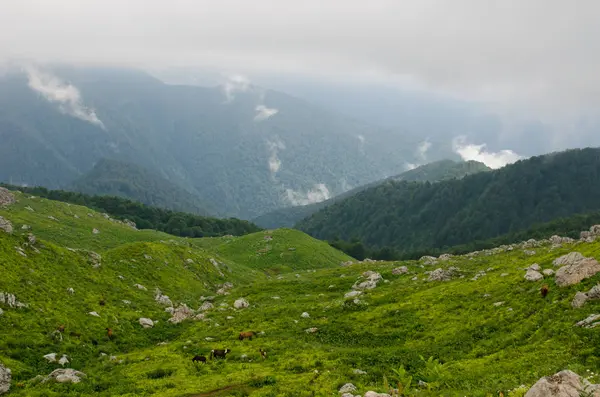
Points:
point(442, 275)
point(305, 315)
point(181, 313)
point(589, 322)
point(51, 357)
point(5, 378)
point(5, 225)
point(569, 259)
point(576, 272)
point(94, 314)
point(400, 270)
point(67, 375)
point(241, 303)
point(562, 384)
point(146, 322)
point(347, 388)
point(533, 275)
point(6, 197)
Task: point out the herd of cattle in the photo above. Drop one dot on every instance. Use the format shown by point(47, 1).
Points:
point(222, 353)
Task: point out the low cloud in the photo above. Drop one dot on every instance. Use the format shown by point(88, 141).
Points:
point(264, 113)
point(318, 193)
point(479, 153)
point(422, 150)
point(410, 166)
point(66, 95)
point(274, 147)
point(234, 84)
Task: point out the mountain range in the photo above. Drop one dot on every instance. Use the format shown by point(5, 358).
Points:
point(239, 148)
point(435, 171)
point(419, 216)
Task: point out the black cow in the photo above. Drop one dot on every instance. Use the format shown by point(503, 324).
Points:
point(219, 353)
point(199, 358)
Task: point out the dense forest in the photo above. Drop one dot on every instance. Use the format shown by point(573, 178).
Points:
point(417, 217)
point(435, 171)
point(564, 227)
point(118, 178)
point(146, 217)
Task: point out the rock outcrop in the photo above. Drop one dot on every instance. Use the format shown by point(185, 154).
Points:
point(347, 388)
point(5, 225)
point(181, 313)
point(400, 270)
point(6, 197)
point(569, 259)
point(582, 297)
point(562, 384)
point(162, 299)
point(5, 378)
point(66, 375)
point(443, 275)
point(533, 275)
point(576, 272)
point(372, 278)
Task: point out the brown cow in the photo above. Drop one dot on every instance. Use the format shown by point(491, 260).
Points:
point(544, 290)
point(109, 333)
point(244, 335)
point(61, 328)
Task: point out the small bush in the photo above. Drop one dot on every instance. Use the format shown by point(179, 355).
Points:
point(160, 373)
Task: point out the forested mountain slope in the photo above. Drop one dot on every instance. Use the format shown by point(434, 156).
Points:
point(435, 171)
point(243, 149)
point(415, 216)
point(119, 178)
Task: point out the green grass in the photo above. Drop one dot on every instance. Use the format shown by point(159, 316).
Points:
point(482, 348)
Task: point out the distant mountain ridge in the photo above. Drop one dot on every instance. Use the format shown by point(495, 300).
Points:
point(242, 149)
point(118, 178)
point(410, 216)
point(432, 172)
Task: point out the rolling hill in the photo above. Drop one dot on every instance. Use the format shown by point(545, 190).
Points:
point(241, 149)
point(410, 216)
point(432, 172)
point(484, 329)
point(118, 178)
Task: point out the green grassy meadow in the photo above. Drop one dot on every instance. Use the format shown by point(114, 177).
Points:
point(482, 348)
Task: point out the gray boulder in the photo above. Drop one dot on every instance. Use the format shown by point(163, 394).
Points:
point(375, 394)
point(576, 272)
point(569, 259)
point(6, 197)
point(5, 225)
point(67, 375)
point(162, 299)
point(400, 270)
point(181, 313)
point(241, 303)
point(206, 306)
point(579, 300)
point(562, 384)
point(347, 388)
point(5, 378)
point(51, 357)
point(533, 275)
point(589, 322)
point(352, 294)
point(146, 322)
point(442, 275)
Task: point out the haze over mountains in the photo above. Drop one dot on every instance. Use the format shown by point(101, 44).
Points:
point(238, 147)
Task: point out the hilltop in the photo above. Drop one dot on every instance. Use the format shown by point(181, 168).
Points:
point(476, 320)
point(409, 216)
point(432, 172)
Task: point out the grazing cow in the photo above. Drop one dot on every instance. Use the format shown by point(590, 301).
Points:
point(244, 335)
point(263, 353)
point(199, 358)
point(219, 353)
point(109, 333)
point(544, 290)
point(61, 328)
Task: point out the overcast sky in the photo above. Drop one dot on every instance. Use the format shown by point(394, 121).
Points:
point(543, 53)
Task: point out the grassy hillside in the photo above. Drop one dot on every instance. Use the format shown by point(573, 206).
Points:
point(411, 217)
point(118, 178)
point(483, 346)
point(432, 172)
point(146, 217)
